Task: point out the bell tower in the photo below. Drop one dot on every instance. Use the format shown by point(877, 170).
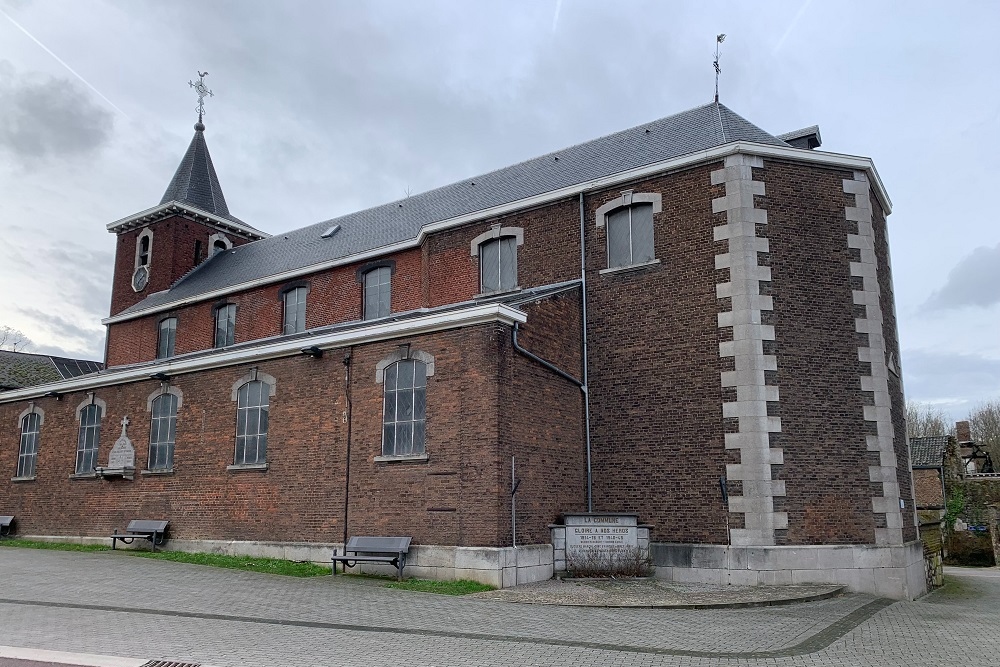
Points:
point(159, 246)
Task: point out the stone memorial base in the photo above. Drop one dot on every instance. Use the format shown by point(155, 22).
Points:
point(887, 571)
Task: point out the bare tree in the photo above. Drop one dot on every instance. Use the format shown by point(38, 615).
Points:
point(13, 340)
point(923, 419)
point(984, 421)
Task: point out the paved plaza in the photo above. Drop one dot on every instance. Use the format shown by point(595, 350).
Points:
point(117, 605)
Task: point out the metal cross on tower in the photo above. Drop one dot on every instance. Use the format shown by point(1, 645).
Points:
point(202, 91)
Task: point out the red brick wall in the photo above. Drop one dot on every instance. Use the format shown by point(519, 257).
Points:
point(172, 255)
point(452, 498)
point(927, 485)
point(828, 496)
point(542, 419)
point(656, 401)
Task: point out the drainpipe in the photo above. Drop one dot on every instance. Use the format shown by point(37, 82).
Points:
point(585, 386)
point(347, 463)
point(534, 357)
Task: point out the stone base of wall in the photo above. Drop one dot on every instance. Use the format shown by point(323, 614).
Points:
point(495, 566)
point(895, 572)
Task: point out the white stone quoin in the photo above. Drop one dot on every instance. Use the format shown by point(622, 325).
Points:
point(752, 394)
point(878, 382)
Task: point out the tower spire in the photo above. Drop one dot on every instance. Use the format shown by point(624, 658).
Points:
point(204, 92)
point(719, 39)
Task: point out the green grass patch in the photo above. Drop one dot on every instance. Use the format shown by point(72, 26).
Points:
point(287, 568)
point(52, 546)
point(460, 587)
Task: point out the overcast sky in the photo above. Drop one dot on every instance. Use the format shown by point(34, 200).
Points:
point(322, 108)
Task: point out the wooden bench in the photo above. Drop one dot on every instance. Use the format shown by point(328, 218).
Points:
point(154, 531)
point(391, 550)
point(5, 524)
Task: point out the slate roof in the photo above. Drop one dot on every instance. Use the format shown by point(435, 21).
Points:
point(195, 181)
point(688, 132)
point(928, 451)
point(18, 369)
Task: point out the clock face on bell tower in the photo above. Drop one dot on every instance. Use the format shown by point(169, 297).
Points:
point(140, 278)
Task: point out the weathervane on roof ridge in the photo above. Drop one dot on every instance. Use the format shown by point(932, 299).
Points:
point(203, 92)
point(719, 39)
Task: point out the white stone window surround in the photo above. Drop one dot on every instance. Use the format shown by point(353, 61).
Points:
point(253, 375)
point(625, 199)
point(146, 234)
point(874, 353)
point(86, 403)
point(218, 236)
point(31, 409)
point(759, 489)
point(402, 353)
point(165, 389)
point(497, 231)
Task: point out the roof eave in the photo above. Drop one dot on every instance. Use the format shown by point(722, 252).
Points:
point(178, 208)
point(325, 340)
point(854, 162)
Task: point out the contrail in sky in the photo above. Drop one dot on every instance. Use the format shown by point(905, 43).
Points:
point(555, 17)
point(798, 15)
point(61, 62)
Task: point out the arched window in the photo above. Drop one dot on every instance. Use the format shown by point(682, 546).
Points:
point(218, 242)
point(167, 338)
point(219, 246)
point(295, 309)
point(225, 325)
point(31, 426)
point(162, 432)
point(404, 408)
point(252, 409)
point(497, 252)
point(89, 439)
point(378, 292)
point(629, 225)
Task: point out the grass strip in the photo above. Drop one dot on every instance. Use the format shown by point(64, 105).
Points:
point(52, 546)
point(460, 587)
point(287, 568)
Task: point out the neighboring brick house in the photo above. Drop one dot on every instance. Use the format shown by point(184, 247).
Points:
point(927, 460)
point(617, 325)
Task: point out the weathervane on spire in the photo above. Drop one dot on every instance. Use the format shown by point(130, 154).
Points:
point(203, 92)
point(719, 39)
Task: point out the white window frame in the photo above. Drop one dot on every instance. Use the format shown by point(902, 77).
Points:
point(146, 233)
point(29, 440)
point(494, 233)
point(82, 442)
point(218, 237)
point(627, 199)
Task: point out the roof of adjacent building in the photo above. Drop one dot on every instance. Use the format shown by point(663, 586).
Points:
point(19, 369)
point(691, 131)
point(928, 451)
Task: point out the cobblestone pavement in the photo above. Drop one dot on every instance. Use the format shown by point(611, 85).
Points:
point(655, 593)
point(114, 604)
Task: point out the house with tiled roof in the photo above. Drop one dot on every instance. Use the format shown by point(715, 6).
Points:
point(677, 339)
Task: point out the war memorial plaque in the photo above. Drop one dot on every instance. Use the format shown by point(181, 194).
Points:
point(601, 536)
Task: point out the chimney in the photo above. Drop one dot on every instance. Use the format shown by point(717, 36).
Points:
point(962, 432)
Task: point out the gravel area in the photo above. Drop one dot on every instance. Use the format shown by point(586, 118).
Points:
point(655, 593)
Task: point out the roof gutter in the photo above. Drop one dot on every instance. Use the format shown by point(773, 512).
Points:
point(764, 150)
point(477, 314)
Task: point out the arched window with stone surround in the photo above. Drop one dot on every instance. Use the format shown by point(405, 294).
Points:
point(31, 421)
point(163, 405)
point(404, 402)
point(628, 223)
point(252, 394)
point(497, 253)
point(90, 413)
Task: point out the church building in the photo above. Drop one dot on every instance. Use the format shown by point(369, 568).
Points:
point(690, 322)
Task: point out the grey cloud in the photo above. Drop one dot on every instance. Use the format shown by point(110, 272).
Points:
point(975, 281)
point(82, 340)
point(954, 381)
point(83, 275)
point(42, 116)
